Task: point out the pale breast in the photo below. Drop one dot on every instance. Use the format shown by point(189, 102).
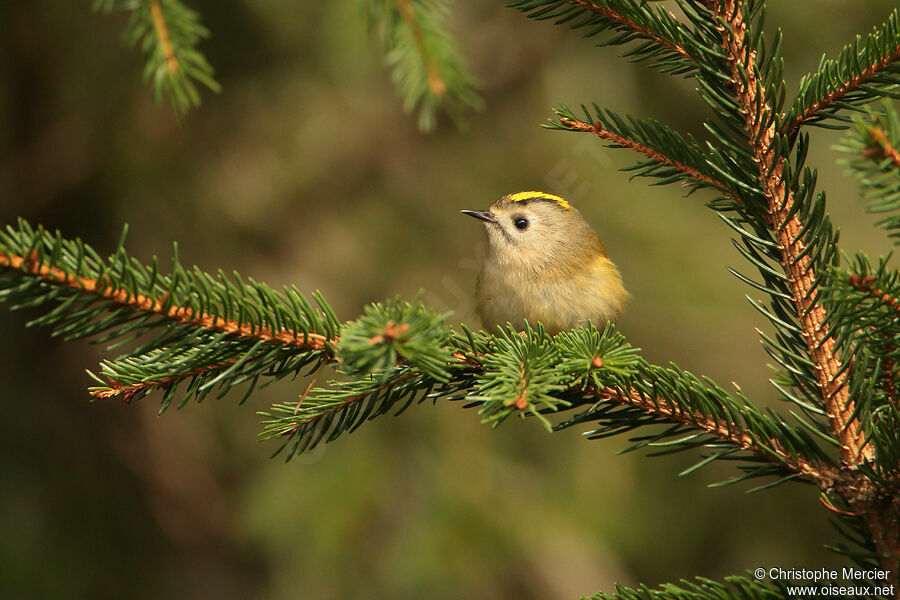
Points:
point(593, 294)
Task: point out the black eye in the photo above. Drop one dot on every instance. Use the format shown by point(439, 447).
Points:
point(521, 223)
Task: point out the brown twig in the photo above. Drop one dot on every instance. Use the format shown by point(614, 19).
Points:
point(890, 388)
point(139, 390)
point(881, 518)
point(824, 475)
point(604, 134)
point(309, 387)
point(162, 32)
point(520, 401)
point(830, 374)
point(598, 130)
point(850, 85)
point(887, 149)
point(436, 82)
point(864, 285)
point(180, 314)
point(636, 27)
point(832, 508)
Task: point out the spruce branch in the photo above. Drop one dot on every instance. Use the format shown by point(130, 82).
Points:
point(567, 121)
point(864, 71)
point(639, 29)
point(864, 284)
point(817, 471)
point(429, 70)
point(864, 302)
point(183, 315)
point(672, 157)
point(887, 148)
point(208, 329)
point(732, 588)
point(760, 124)
point(872, 149)
point(168, 33)
point(531, 374)
point(664, 41)
point(324, 414)
point(114, 388)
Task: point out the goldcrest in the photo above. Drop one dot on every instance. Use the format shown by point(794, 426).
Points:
point(545, 264)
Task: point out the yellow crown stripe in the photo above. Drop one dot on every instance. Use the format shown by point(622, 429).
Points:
point(525, 196)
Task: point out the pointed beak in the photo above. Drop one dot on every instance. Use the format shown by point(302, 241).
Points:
point(483, 215)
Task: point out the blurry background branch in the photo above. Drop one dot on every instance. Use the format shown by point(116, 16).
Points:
point(874, 159)
point(427, 65)
point(168, 33)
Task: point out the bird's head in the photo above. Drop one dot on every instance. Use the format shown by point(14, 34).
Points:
point(535, 230)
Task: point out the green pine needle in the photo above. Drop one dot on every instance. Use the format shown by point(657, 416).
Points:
point(388, 333)
point(519, 377)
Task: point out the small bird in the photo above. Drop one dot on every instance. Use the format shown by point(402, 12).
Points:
point(545, 264)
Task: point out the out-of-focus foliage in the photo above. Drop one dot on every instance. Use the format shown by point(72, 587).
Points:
point(427, 65)
point(873, 157)
point(168, 33)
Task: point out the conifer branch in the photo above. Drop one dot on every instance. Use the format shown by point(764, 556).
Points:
point(168, 33)
point(309, 417)
point(664, 40)
point(121, 297)
point(862, 72)
point(864, 285)
point(208, 329)
point(887, 149)
point(628, 23)
point(605, 134)
point(802, 277)
point(872, 147)
point(134, 391)
point(672, 157)
point(842, 90)
point(429, 70)
point(162, 33)
point(436, 82)
point(826, 476)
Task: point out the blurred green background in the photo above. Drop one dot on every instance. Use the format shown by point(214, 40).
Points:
point(306, 171)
